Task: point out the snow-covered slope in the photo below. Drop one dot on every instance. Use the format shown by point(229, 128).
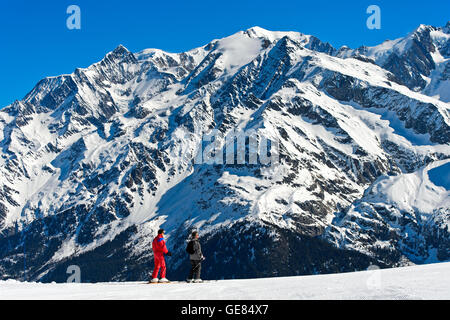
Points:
point(398, 212)
point(417, 283)
point(94, 162)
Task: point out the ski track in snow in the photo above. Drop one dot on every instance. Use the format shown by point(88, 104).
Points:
point(415, 282)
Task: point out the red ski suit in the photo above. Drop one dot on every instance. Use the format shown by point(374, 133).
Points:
point(159, 249)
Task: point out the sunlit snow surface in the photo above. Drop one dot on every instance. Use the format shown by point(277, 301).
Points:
point(416, 282)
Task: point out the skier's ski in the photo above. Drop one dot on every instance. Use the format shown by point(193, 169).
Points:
point(203, 281)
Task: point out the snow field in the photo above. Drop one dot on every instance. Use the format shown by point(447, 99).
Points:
point(414, 282)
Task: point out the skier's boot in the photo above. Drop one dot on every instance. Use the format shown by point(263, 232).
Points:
point(154, 280)
point(164, 280)
point(189, 280)
point(198, 281)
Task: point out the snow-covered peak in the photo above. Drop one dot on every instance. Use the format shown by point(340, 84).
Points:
point(428, 38)
point(119, 53)
point(446, 28)
point(150, 53)
point(418, 60)
point(120, 49)
point(273, 36)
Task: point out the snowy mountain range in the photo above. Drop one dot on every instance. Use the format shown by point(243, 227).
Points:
point(94, 162)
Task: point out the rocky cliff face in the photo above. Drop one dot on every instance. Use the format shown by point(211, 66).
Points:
point(94, 162)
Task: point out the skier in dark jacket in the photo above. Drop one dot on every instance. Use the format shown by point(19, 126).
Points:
point(196, 258)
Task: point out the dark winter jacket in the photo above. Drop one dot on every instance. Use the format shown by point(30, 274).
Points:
point(197, 255)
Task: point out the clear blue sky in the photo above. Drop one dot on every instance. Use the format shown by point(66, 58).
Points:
point(36, 43)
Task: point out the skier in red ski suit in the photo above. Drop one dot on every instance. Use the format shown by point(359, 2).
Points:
point(159, 250)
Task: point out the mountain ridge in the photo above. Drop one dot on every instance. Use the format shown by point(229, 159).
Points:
point(94, 162)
